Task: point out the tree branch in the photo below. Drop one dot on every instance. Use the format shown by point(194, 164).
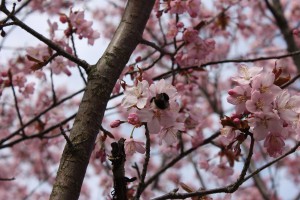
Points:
point(48, 42)
point(277, 12)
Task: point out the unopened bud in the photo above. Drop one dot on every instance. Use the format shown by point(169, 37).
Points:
point(115, 124)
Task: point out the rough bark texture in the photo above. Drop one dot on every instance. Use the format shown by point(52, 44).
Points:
point(101, 80)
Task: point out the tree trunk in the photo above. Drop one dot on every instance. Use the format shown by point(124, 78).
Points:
point(101, 80)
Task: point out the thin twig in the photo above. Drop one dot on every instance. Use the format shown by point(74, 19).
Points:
point(52, 88)
point(7, 179)
point(16, 101)
point(228, 189)
point(75, 53)
point(167, 74)
point(291, 81)
point(141, 185)
point(136, 167)
point(62, 131)
point(39, 115)
point(38, 135)
point(179, 157)
point(47, 41)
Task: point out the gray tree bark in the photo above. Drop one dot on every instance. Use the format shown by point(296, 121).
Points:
point(101, 80)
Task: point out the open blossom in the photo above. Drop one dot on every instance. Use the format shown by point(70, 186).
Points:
point(264, 123)
point(156, 119)
point(19, 80)
point(287, 106)
point(193, 7)
point(132, 146)
point(259, 103)
point(264, 83)
point(238, 97)
point(274, 143)
point(136, 95)
point(177, 7)
point(246, 74)
point(169, 134)
point(190, 34)
point(59, 65)
point(83, 27)
point(222, 171)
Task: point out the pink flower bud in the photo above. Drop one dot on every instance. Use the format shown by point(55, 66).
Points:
point(231, 92)
point(236, 120)
point(133, 119)
point(179, 25)
point(63, 19)
point(115, 124)
point(296, 32)
point(4, 74)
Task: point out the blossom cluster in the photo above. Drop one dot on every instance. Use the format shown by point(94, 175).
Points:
point(80, 26)
point(155, 104)
point(272, 113)
point(179, 7)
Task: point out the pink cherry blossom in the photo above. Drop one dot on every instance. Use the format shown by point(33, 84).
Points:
point(132, 146)
point(286, 106)
point(59, 65)
point(190, 35)
point(259, 103)
point(246, 74)
point(264, 123)
point(238, 97)
point(133, 119)
point(28, 89)
point(222, 171)
point(136, 95)
point(264, 84)
point(193, 7)
point(83, 27)
point(169, 134)
point(115, 124)
point(274, 144)
point(177, 7)
point(19, 80)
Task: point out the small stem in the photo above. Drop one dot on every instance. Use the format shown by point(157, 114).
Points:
point(16, 102)
point(66, 137)
point(141, 185)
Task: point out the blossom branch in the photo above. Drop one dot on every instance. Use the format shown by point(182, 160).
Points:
point(179, 157)
point(48, 42)
point(37, 135)
point(277, 12)
point(169, 73)
point(39, 115)
point(141, 185)
point(292, 150)
point(228, 189)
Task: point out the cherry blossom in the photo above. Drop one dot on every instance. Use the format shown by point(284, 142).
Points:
point(132, 146)
point(246, 74)
point(274, 143)
point(136, 95)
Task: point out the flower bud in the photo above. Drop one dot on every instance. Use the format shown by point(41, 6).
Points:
point(115, 124)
